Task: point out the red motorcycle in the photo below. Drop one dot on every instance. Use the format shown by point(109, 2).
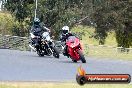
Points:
point(74, 49)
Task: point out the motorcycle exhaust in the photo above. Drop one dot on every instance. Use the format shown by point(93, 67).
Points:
point(32, 47)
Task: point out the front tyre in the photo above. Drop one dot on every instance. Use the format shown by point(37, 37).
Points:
point(75, 61)
point(40, 53)
point(55, 52)
point(82, 58)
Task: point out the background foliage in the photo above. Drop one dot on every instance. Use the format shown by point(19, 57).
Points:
point(104, 15)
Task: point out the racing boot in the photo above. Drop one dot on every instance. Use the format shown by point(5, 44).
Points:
point(65, 53)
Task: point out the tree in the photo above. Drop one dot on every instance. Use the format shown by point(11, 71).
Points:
point(113, 15)
point(106, 15)
point(57, 13)
point(21, 10)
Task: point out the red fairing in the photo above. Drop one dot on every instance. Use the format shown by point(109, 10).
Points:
point(74, 45)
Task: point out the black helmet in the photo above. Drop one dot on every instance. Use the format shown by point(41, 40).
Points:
point(36, 21)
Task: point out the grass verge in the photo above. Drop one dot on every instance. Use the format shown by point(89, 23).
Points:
point(60, 85)
point(93, 49)
point(107, 52)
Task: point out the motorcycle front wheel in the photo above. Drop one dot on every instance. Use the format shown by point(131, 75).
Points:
point(40, 53)
point(82, 58)
point(49, 52)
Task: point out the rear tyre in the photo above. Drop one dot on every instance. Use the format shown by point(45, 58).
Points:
point(55, 52)
point(82, 58)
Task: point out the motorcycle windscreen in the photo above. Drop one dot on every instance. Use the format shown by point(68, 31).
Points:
point(46, 36)
point(72, 41)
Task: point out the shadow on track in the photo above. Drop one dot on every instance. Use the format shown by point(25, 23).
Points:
point(36, 56)
point(70, 62)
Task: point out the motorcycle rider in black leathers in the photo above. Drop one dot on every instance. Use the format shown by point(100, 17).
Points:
point(64, 36)
point(36, 30)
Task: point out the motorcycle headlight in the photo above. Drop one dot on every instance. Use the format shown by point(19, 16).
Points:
point(72, 45)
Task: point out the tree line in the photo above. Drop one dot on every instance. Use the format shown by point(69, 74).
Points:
point(104, 15)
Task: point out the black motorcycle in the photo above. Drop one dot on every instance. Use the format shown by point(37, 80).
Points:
point(45, 45)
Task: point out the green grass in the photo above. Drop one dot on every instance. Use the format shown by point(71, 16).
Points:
point(93, 48)
point(61, 85)
point(89, 31)
point(107, 52)
point(6, 23)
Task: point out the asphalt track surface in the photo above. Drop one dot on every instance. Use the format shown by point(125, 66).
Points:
point(27, 66)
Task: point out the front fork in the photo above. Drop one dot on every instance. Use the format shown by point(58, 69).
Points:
point(48, 48)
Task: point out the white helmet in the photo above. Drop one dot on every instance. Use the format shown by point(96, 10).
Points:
point(65, 30)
